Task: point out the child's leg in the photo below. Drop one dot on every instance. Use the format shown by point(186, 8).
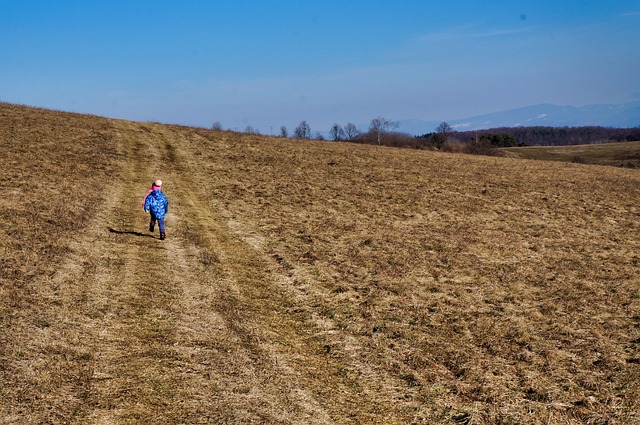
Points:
point(161, 226)
point(152, 222)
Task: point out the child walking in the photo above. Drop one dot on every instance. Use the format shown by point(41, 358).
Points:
point(157, 205)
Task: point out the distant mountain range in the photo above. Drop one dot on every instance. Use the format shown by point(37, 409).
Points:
point(619, 116)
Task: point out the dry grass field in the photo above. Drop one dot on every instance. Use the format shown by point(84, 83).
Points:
point(624, 154)
point(308, 282)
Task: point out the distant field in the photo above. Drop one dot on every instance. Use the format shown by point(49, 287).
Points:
point(615, 154)
point(307, 282)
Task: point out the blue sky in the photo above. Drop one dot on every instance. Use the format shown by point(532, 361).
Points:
point(277, 62)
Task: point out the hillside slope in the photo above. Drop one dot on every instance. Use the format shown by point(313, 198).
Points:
point(626, 154)
point(308, 282)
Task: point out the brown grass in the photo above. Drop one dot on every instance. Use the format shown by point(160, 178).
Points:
point(309, 282)
point(625, 154)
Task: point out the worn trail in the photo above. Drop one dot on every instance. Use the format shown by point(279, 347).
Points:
point(193, 329)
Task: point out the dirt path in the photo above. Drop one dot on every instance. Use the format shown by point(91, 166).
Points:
point(193, 329)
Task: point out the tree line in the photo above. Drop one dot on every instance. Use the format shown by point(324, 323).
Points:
point(383, 132)
point(544, 136)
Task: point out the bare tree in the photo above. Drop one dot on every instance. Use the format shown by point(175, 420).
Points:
point(337, 132)
point(251, 130)
point(302, 131)
point(442, 134)
point(216, 126)
point(283, 132)
point(351, 131)
point(382, 125)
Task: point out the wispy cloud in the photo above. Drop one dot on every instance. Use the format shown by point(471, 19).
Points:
point(624, 15)
point(465, 33)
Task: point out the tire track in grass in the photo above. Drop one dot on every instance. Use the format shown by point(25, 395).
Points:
point(274, 371)
point(134, 300)
point(144, 309)
point(172, 338)
point(252, 383)
point(192, 329)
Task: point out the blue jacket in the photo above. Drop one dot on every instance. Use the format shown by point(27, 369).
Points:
point(157, 203)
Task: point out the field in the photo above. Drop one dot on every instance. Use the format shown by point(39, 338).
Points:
point(626, 154)
point(306, 282)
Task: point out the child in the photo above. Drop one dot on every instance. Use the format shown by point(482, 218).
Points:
point(157, 205)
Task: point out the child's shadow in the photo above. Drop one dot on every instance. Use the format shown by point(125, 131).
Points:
point(129, 232)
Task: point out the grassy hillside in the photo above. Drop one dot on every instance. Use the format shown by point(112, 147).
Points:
point(616, 154)
point(309, 282)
